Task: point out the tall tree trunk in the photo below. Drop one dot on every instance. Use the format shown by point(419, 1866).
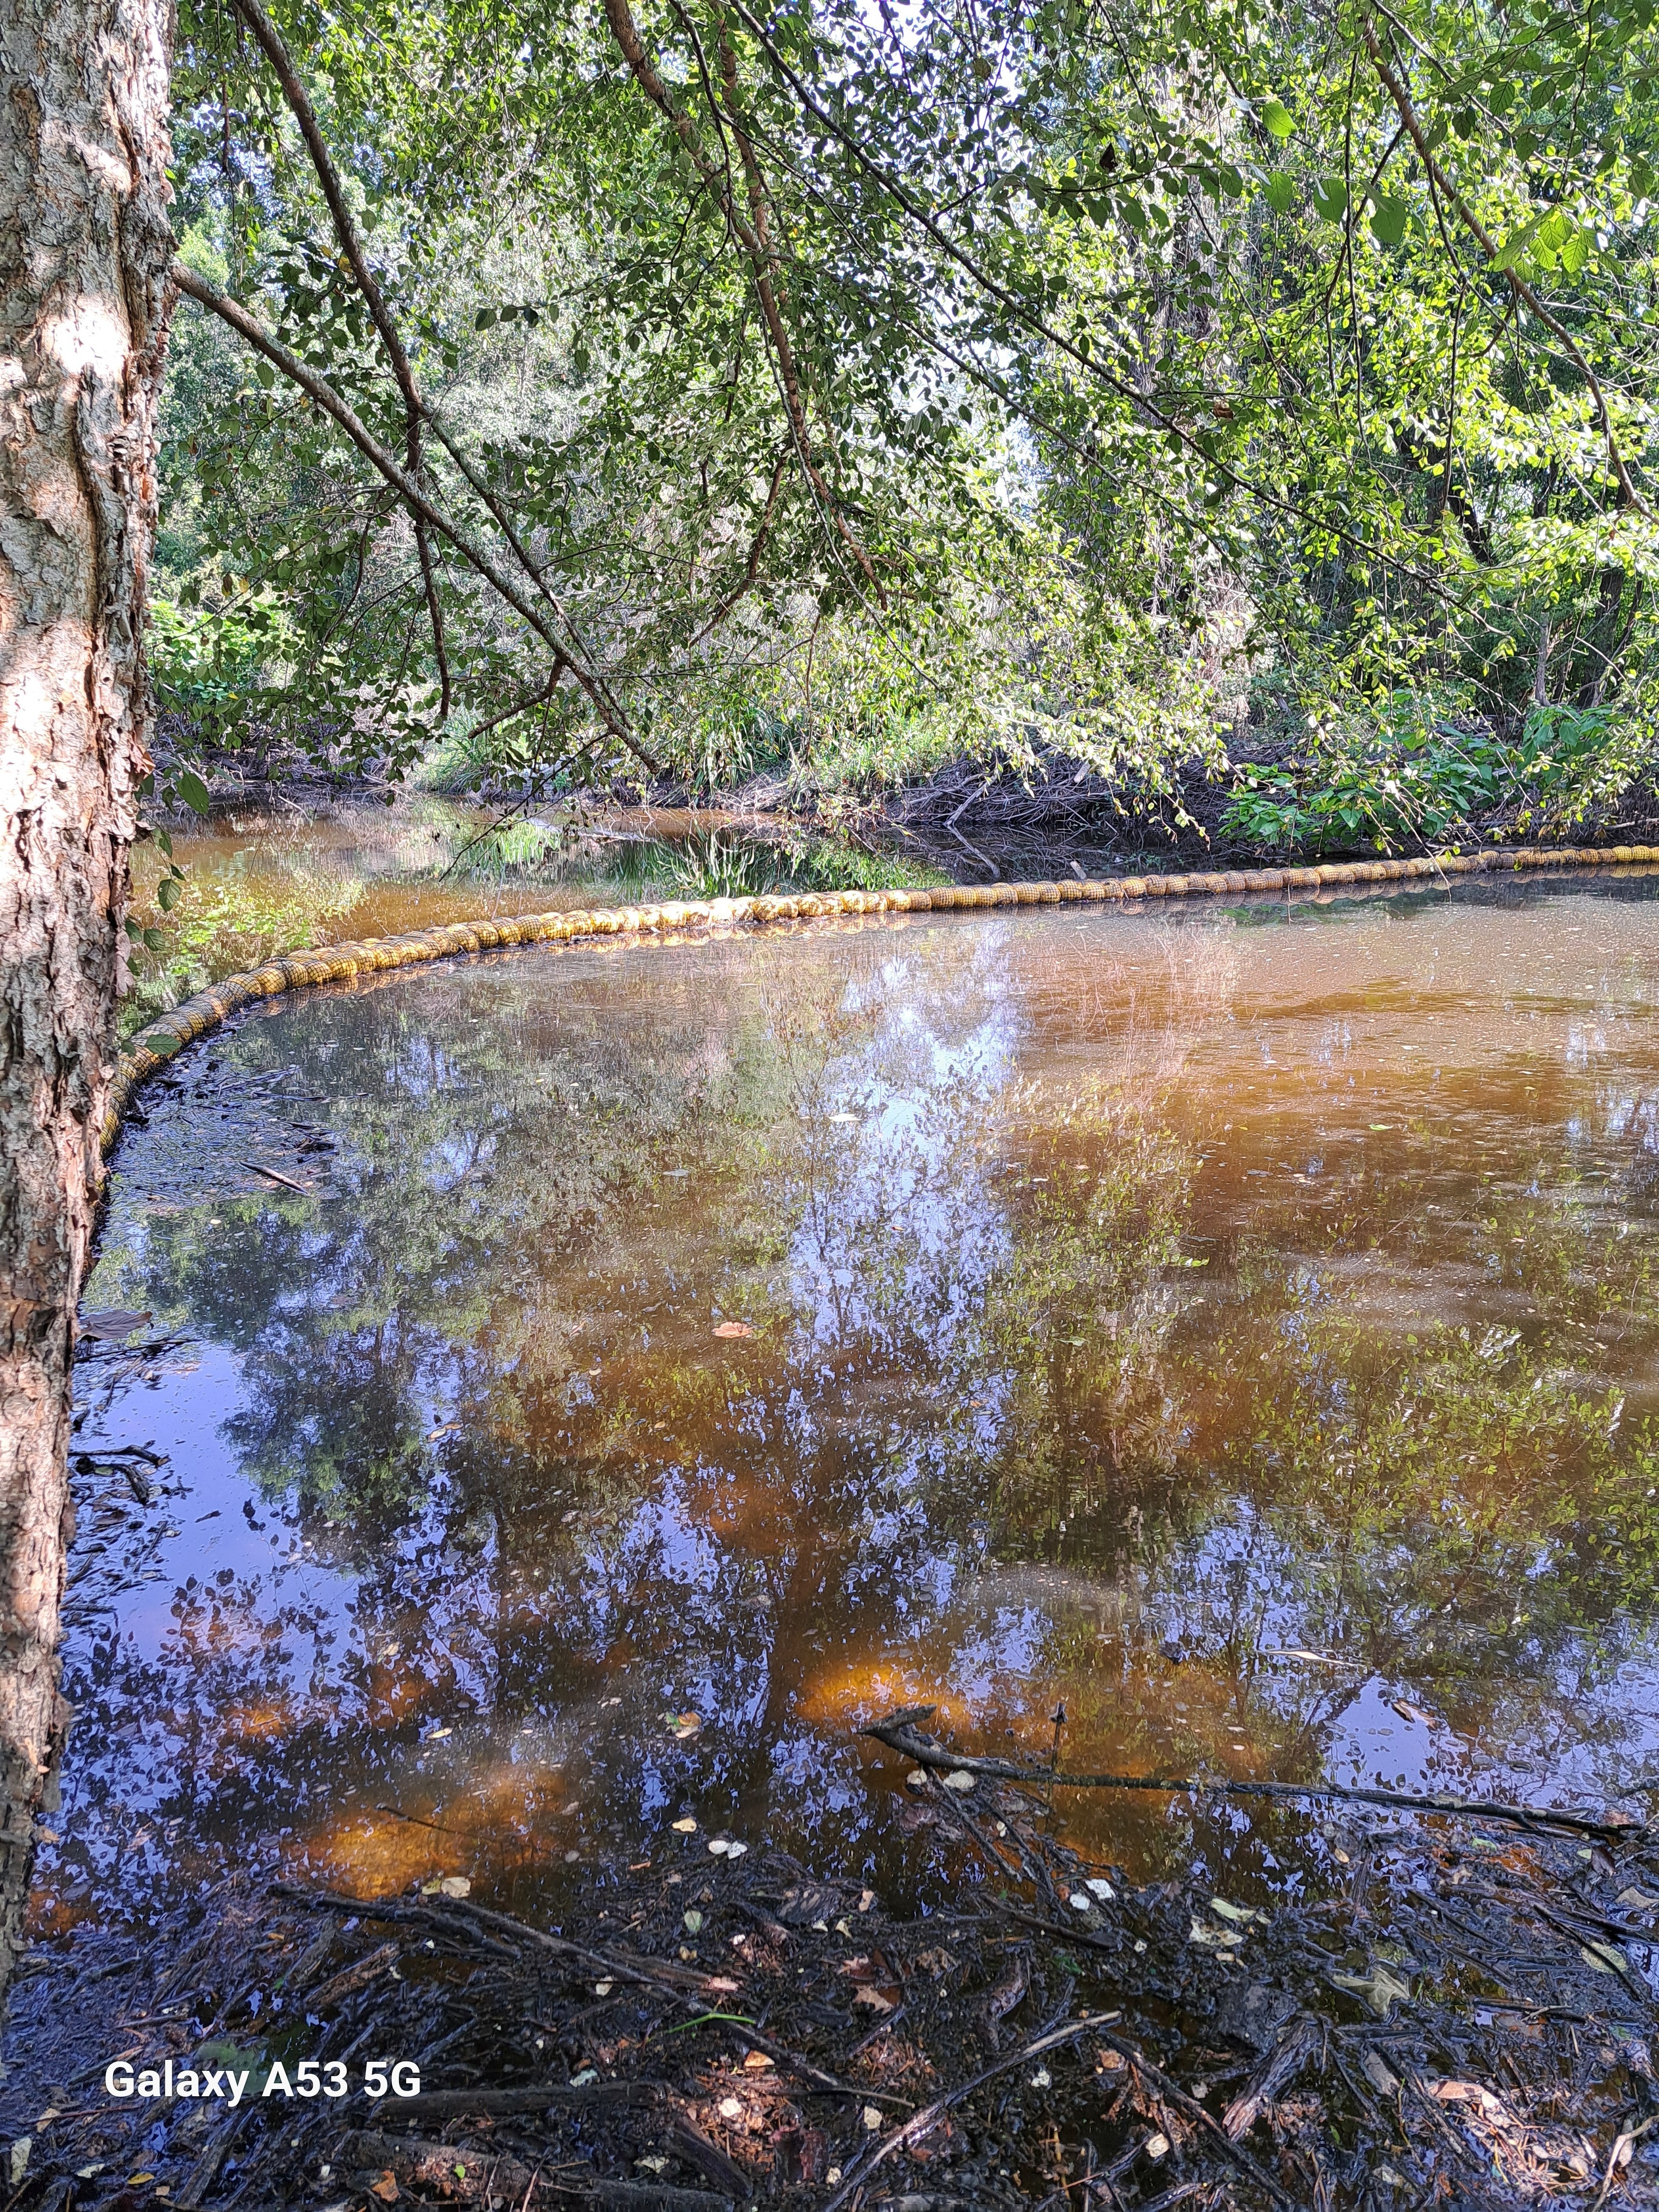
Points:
point(85, 246)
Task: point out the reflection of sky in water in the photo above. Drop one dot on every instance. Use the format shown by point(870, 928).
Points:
point(1214, 1326)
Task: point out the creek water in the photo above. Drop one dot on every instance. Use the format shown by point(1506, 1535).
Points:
point(1238, 1324)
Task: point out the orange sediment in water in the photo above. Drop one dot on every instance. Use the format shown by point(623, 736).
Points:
point(1237, 1321)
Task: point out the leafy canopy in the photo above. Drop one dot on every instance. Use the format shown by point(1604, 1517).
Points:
point(730, 383)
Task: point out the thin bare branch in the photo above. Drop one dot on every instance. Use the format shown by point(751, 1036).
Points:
point(751, 233)
point(756, 548)
point(269, 41)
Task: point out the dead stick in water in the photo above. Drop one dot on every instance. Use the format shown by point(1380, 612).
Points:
point(275, 1176)
point(900, 1734)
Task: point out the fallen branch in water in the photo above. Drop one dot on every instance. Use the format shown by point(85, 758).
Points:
point(900, 1733)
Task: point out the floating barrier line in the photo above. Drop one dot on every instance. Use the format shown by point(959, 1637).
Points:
point(161, 1041)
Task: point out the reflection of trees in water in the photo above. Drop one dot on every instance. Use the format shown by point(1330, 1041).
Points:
point(995, 1428)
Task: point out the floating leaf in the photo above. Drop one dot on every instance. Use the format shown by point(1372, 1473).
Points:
point(1215, 1939)
point(1466, 2093)
point(1410, 1712)
point(732, 1328)
point(686, 1827)
point(1606, 1958)
point(1380, 1989)
point(1376, 2070)
point(112, 1326)
point(960, 1780)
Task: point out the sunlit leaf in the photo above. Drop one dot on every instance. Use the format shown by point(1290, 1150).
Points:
point(1389, 219)
point(1279, 191)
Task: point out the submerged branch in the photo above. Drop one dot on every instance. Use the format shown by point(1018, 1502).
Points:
point(899, 1733)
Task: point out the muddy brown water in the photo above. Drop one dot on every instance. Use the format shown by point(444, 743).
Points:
point(1239, 1324)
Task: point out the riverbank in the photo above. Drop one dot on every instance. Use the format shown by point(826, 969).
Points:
point(265, 879)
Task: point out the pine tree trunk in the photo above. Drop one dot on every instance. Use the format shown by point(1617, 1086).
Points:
point(84, 298)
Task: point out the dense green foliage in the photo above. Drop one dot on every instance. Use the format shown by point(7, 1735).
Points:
point(841, 391)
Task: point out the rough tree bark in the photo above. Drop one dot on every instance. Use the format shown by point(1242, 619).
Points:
point(85, 247)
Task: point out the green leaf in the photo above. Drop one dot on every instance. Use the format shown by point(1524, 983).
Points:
point(1518, 244)
point(166, 894)
point(1389, 219)
point(1556, 229)
point(1277, 119)
point(1279, 190)
point(1330, 197)
point(484, 319)
point(1575, 254)
point(193, 791)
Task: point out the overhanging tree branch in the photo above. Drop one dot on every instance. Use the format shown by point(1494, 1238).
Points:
point(752, 570)
point(269, 41)
point(420, 503)
point(1523, 291)
point(752, 234)
point(1030, 319)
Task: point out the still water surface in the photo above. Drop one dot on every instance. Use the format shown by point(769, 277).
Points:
point(1241, 1324)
